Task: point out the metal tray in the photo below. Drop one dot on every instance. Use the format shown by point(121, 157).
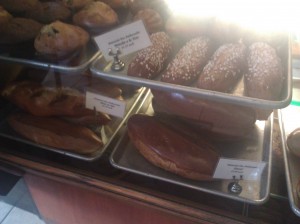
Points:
point(25, 54)
point(103, 69)
point(126, 157)
point(108, 132)
point(289, 121)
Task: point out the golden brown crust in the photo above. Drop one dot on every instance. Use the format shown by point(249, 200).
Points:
point(17, 6)
point(189, 61)
point(224, 69)
point(18, 30)
point(264, 78)
point(171, 151)
point(150, 61)
point(59, 39)
point(48, 12)
point(152, 20)
point(56, 133)
point(95, 15)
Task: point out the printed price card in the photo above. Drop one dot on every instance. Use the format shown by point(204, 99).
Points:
point(128, 39)
point(105, 104)
point(240, 169)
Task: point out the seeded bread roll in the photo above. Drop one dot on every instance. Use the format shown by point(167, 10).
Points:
point(58, 39)
point(18, 30)
point(225, 68)
point(189, 61)
point(94, 16)
point(56, 133)
point(150, 61)
point(152, 20)
point(171, 151)
point(264, 78)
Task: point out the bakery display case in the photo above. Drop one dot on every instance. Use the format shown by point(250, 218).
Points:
point(189, 127)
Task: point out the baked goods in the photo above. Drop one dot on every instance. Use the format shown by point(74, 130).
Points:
point(171, 151)
point(17, 6)
point(224, 69)
point(4, 17)
point(18, 30)
point(48, 12)
point(55, 133)
point(189, 61)
point(220, 119)
point(293, 142)
point(264, 77)
point(115, 4)
point(94, 16)
point(152, 20)
point(46, 101)
point(60, 39)
point(159, 6)
point(76, 4)
point(150, 61)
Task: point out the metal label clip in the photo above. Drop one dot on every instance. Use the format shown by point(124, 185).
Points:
point(117, 64)
point(234, 187)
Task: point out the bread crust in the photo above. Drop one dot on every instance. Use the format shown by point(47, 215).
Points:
point(171, 151)
point(55, 133)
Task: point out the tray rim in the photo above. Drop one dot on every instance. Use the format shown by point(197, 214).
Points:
point(290, 189)
point(218, 193)
point(205, 94)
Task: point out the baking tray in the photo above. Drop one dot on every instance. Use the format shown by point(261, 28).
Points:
point(127, 158)
point(108, 132)
point(289, 120)
point(102, 68)
point(25, 54)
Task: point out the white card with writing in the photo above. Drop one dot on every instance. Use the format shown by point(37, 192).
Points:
point(128, 38)
point(240, 169)
point(105, 104)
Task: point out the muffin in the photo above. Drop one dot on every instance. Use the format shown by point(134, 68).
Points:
point(59, 39)
point(76, 4)
point(152, 20)
point(95, 16)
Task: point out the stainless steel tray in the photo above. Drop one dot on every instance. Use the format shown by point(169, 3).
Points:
point(126, 157)
point(26, 55)
point(289, 120)
point(103, 69)
point(108, 132)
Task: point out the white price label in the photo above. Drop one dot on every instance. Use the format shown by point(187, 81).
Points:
point(128, 39)
point(105, 104)
point(240, 169)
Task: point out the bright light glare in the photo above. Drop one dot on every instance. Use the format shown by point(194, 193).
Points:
point(262, 15)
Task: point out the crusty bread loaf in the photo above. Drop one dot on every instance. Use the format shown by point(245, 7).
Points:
point(293, 142)
point(48, 12)
point(226, 120)
point(94, 16)
point(264, 78)
point(150, 61)
point(60, 39)
point(56, 133)
point(46, 101)
point(224, 69)
point(18, 30)
point(171, 151)
point(189, 61)
point(152, 20)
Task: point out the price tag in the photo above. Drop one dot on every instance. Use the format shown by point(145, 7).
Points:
point(128, 39)
point(105, 104)
point(248, 170)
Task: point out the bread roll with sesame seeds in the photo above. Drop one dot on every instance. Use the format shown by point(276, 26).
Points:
point(189, 61)
point(264, 77)
point(150, 61)
point(225, 68)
